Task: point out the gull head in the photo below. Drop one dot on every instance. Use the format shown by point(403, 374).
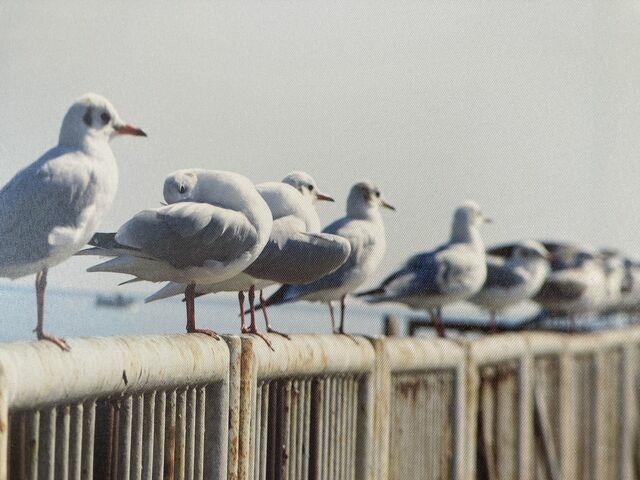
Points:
point(531, 250)
point(306, 185)
point(364, 198)
point(470, 214)
point(93, 118)
point(180, 186)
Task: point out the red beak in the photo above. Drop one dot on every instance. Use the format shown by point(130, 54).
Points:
point(322, 196)
point(129, 130)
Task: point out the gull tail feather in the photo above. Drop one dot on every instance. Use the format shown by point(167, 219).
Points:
point(169, 290)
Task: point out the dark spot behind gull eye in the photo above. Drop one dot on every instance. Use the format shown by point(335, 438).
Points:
point(182, 189)
point(86, 118)
point(105, 117)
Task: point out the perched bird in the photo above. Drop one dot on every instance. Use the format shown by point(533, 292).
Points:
point(513, 279)
point(453, 272)
point(364, 229)
point(214, 226)
point(630, 289)
point(576, 285)
point(296, 252)
point(50, 209)
point(614, 271)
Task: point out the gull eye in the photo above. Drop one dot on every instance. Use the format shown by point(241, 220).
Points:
point(377, 193)
point(182, 188)
point(105, 117)
point(310, 187)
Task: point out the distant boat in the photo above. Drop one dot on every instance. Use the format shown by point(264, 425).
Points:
point(117, 300)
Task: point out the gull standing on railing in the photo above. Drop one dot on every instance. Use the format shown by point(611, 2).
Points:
point(296, 251)
point(576, 285)
point(50, 209)
point(451, 273)
point(214, 226)
point(364, 229)
point(514, 279)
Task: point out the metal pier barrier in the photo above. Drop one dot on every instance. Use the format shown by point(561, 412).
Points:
point(305, 410)
point(526, 406)
point(115, 408)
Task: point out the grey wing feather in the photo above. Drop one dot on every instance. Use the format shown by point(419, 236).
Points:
point(560, 290)
point(500, 275)
point(189, 234)
point(419, 276)
point(300, 257)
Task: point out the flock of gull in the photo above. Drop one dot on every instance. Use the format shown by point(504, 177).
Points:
point(219, 232)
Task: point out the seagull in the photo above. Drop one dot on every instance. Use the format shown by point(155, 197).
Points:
point(291, 255)
point(514, 279)
point(615, 273)
point(215, 224)
point(51, 208)
point(576, 285)
point(452, 272)
point(364, 229)
point(630, 289)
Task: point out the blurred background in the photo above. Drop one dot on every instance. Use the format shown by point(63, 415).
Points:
point(531, 108)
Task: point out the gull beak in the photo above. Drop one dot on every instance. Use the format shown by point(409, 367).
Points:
point(127, 129)
point(326, 198)
point(387, 205)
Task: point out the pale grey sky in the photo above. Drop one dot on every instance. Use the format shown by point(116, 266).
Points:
point(531, 108)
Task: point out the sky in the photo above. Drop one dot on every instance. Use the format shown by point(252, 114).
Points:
point(531, 108)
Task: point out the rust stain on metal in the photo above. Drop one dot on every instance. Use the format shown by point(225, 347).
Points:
point(169, 461)
point(409, 389)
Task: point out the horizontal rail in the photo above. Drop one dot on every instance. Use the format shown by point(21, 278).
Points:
point(531, 405)
point(308, 355)
point(37, 374)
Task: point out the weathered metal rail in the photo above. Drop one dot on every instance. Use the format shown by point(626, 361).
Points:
point(532, 406)
point(115, 408)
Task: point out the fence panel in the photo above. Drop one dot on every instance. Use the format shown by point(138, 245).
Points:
point(500, 426)
point(305, 409)
point(420, 408)
point(116, 408)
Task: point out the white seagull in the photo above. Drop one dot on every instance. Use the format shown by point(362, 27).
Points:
point(451, 273)
point(296, 251)
point(512, 280)
point(50, 209)
point(214, 226)
point(576, 285)
point(364, 229)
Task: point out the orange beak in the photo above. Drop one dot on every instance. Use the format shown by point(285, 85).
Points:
point(129, 130)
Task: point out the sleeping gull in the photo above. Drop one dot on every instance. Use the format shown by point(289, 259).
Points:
point(453, 272)
point(364, 229)
point(50, 209)
point(295, 251)
point(214, 226)
point(576, 285)
point(513, 279)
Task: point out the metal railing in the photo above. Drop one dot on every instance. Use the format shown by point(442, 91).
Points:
point(305, 409)
point(115, 408)
point(420, 408)
point(531, 406)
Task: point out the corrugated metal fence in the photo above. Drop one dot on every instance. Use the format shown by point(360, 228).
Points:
point(527, 406)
